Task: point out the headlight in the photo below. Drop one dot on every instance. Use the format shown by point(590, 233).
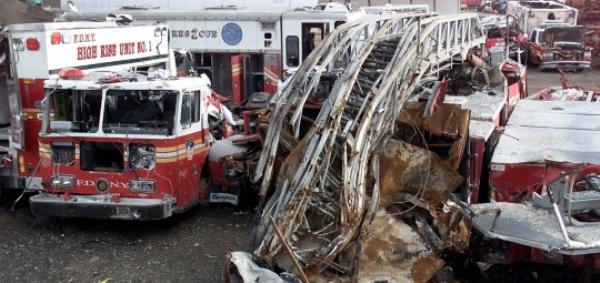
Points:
point(142, 186)
point(142, 156)
point(62, 181)
point(55, 181)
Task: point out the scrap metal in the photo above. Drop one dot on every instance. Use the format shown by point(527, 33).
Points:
point(326, 192)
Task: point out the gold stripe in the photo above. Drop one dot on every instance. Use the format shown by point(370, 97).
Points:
point(32, 110)
point(180, 156)
point(169, 149)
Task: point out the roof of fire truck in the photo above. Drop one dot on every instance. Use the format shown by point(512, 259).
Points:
point(554, 131)
point(331, 10)
point(541, 5)
point(127, 81)
point(61, 26)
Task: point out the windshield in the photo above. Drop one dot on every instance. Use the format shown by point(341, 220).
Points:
point(139, 111)
point(75, 110)
point(563, 34)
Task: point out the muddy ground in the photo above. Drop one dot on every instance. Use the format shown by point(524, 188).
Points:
point(589, 79)
point(186, 248)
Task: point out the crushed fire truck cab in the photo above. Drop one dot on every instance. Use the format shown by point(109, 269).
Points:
point(122, 147)
point(544, 176)
point(531, 14)
point(559, 46)
point(33, 52)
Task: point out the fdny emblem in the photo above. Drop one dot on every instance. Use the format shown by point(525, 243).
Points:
point(232, 33)
point(189, 149)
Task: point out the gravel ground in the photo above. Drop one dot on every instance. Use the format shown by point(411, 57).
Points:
point(538, 81)
point(186, 248)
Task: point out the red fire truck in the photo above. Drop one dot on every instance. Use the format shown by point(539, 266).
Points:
point(243, 49)
point(33, 52)
point(123, 146)
point(545, 181)
point(551, 37)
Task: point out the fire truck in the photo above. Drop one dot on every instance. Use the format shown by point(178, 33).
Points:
point(532, 14)
point(551, 37)
point(122, 146)
point(558, 45)
point(34, 52)
point(544, 176)
point(247, 49)
point(243, 50)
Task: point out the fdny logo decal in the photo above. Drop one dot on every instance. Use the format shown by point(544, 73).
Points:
point(232, 33)
point(112, 184)
point(189, 149)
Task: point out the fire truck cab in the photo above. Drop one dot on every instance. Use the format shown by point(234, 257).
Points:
point(122, 146)
point(559, 45)
point(531, 14)
point(33, 52)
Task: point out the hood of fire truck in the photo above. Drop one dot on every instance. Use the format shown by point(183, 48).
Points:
point(564, 37)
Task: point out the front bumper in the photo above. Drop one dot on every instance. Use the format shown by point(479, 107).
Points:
point(101, 207)
point(566, 65)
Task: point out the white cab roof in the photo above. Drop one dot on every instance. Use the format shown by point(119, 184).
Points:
point(88, 83)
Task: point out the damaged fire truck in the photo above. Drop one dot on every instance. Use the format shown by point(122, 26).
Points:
point(544, 177)
point(382, 181)
point(551, 36)
point(123, 146)
point(33, 52)
point(245, 48)
point(242, 49)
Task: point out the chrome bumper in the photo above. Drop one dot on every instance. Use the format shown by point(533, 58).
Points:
point(101, 207)
point(568, 65)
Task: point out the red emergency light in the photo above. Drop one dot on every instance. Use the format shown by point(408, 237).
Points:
point(70, 73)
point(55, 38)
point(32, 44)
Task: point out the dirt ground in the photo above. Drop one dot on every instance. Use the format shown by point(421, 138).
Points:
point(536, 80)
point(186, 248)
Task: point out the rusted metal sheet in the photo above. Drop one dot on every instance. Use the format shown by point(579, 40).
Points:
point(449, 121)
point(408, 169)
point(393, 252)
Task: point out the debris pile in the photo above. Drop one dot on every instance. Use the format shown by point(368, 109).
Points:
point(355, 183)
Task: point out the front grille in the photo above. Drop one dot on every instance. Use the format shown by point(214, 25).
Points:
point(101, 156)
point(63, 153)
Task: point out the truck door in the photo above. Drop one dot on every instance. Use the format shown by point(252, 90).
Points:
point(190, 163)
point(4, 75)
point(253, 74)
point(272, 70)
point(237, 80)
point(312, 35)
point(17, 136)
